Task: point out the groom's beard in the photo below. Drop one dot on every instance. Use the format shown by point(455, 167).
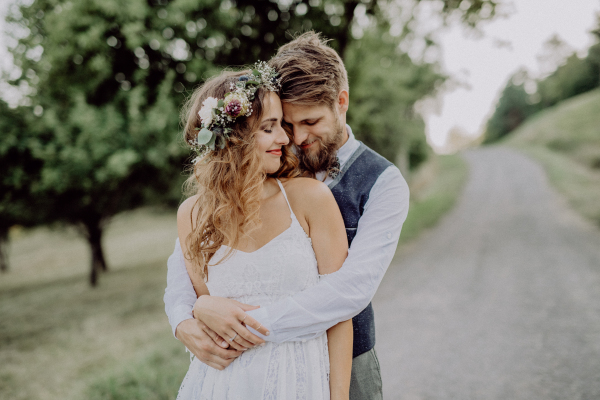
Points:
point(325, 157)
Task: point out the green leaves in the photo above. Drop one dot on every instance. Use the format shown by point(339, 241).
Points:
point(205, 136)
point(211, 142)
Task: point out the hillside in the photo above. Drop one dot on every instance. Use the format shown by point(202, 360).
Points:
point(565, 139)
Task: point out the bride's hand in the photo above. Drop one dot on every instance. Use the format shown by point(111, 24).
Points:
point(228, 319)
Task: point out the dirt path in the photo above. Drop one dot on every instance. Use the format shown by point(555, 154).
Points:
point(499, 301)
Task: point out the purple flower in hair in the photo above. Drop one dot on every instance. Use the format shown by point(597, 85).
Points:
point(236, 104)
point(234, 108)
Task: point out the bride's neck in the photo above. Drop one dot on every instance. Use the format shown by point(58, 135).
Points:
point(269, 188)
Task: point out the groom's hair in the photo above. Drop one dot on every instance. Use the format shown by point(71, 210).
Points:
point(311, 72)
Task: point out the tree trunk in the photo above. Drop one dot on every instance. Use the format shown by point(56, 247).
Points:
point(4, 251)
point(343, 40)
point(98, 262)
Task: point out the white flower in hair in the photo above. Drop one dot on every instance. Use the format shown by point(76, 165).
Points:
point(206, 112)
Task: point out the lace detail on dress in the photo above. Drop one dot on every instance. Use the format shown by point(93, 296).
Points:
point(291, 370)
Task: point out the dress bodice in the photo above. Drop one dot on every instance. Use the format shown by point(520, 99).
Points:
point(284, 266)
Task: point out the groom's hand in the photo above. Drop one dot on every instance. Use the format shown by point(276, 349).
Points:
point(228, 319)
point(202, 342)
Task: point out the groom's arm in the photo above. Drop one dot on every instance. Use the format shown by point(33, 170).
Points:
point(180, 295)
point(345, 293)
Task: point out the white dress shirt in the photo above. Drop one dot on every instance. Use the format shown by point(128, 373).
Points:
point(338, 296)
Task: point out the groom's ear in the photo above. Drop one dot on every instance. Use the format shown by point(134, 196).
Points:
point(343, 101)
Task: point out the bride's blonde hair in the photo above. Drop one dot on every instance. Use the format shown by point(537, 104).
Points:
point(229, 181)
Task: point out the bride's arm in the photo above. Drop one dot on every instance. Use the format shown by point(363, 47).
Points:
point(328, 235)
point(185, 215)
point(340, 340)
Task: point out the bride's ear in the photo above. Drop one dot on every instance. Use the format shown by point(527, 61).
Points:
point(343, 101)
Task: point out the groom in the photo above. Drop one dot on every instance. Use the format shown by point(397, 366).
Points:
point(373, 199)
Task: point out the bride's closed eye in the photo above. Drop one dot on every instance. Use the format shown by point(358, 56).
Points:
point(269, 128)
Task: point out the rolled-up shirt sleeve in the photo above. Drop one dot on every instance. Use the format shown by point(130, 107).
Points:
point(345, 293)
point(180, 295)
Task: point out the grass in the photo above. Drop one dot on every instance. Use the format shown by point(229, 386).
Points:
point(565, 140)
point(434, 190)
point(67, 336)
point(153, 376)
point(61, 339)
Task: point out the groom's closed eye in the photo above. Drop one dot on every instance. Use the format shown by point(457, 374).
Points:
point(310, 122)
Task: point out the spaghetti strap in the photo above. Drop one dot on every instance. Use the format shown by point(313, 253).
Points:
point(295, 221)
point(285, 196)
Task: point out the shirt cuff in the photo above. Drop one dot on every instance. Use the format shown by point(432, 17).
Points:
point(180, 314)
point(262, 316)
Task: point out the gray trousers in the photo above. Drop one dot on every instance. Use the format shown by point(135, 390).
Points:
point(365, 381)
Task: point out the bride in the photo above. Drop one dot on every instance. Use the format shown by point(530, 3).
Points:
point(255, 232)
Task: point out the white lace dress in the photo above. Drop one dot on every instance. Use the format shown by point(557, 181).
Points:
point(290, 370)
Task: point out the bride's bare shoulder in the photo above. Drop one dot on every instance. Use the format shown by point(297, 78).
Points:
point(185, 209)
point(307, 191)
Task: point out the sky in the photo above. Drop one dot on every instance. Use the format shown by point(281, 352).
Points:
point(478, 61)
point(485, 67)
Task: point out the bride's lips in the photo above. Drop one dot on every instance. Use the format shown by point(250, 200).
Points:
point(275, 152)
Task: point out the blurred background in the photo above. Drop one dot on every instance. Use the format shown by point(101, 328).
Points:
point(91, 161)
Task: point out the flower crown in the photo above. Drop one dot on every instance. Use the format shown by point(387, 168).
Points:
point(217, 115)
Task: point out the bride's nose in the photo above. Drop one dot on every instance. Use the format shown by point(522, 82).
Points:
point(282, 137)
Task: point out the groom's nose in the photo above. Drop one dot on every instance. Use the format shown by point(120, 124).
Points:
point(300, 135)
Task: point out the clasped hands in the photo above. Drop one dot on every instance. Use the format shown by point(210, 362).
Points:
point(218, 334)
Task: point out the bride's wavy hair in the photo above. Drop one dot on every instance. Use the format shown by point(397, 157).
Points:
point(228, 181)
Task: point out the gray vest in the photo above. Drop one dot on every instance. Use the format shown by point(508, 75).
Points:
point(351, 190)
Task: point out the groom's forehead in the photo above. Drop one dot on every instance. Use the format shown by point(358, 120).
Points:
point(294, 113)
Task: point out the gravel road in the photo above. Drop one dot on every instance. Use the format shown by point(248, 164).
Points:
point(500, 301)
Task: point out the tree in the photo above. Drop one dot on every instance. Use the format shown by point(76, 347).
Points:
point(107, 139)
point(594, 52)
point(575, 76)
point(554, 54)
point(384, 86)
point(513, 108)
point(108, 77)
point(19, 172)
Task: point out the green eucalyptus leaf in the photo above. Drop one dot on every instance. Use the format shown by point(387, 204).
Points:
point(221, 103)
point(255, 72)
point(204, 136)
point(211, 142)
point(253, 83)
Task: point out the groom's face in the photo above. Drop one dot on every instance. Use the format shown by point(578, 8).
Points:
point(317, 128)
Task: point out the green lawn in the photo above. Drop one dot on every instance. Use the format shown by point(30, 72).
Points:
point(61, 339)
point(565, 140)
